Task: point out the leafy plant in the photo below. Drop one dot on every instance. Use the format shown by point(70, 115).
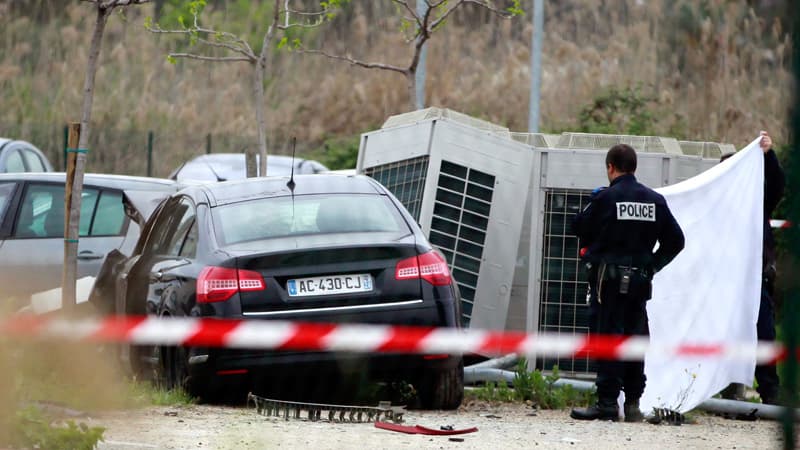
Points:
point(534, 387)
point(494, 392)
point(338, 153)
point(542, 390)
point(148, 394)
point(32, 429)
point(626, 111)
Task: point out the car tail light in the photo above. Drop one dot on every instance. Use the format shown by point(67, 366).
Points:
point(430, 266)
point(217, 284)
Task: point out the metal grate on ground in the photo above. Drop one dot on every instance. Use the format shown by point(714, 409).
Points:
point(405, 179)
point(562, 302)
point(458, 229)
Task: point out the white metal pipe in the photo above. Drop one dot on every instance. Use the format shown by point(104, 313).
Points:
point(497, 363)
point(474, 375)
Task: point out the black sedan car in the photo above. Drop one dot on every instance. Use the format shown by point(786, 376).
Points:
point(318, 248)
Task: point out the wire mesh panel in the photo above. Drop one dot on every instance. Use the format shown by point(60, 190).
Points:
point(562, 303)
point(458, 228)
point(405, 179)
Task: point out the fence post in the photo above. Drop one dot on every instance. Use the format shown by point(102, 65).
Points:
point(150, 153)
point(66, 145)
point(250, 165)
point(208, 144)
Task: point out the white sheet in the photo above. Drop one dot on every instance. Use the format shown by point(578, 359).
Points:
point(710, 293)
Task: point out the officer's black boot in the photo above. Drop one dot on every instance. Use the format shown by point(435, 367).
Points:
point(632, 411)
point(603, 410)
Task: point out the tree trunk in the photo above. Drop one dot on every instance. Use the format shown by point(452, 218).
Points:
point(411, 79)
point(70, 270)
point(258, 90)
point(259, 72)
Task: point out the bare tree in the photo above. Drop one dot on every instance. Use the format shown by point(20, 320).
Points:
point(103, 10)
point(239, 50)
point(419, 24)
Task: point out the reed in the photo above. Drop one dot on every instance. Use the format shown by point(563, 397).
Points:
point(718, 70)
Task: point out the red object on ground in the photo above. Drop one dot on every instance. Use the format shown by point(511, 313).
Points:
point(419, 429)
point(583, 251)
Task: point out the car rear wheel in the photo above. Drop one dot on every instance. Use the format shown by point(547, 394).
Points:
point(443, 389)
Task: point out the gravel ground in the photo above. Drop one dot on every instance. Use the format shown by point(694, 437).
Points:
point(499, 426)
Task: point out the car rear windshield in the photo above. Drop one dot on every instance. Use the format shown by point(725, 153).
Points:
point(306, 215)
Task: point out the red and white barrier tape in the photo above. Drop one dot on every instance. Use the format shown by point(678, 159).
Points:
point(281, 335)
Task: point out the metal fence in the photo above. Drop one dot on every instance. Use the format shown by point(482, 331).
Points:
point(142, 152)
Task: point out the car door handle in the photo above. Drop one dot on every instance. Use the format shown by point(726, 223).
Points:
point(88, 255)
point(161, 277)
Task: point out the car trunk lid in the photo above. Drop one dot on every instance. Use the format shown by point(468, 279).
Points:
point(328, 275)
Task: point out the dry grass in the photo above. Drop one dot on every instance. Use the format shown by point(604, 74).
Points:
point(721, 78)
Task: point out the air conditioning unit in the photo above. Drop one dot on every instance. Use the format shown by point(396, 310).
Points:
point(550, 290)
point(463, 180)
point(499, 205)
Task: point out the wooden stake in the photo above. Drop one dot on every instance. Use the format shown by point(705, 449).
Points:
point(70, 271)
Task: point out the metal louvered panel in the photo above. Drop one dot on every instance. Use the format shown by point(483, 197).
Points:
point(537, 139)
point(706, 149)
point(562, 298)
point(458, 228)
point(649, 144)
point(405, 179)
point(443, 113)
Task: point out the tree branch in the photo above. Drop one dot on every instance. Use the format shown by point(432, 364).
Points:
point(306, 13)
point(243, 47)
point(228, 46)
point(210, 58)
point(435, 4)
point(480, 3)
point(115, 3)
point(404, 4)
point(444, 16)
point(356, 62)
point(300, 25)
point(486, 5)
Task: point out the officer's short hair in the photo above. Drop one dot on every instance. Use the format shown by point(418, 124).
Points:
point(622, 157)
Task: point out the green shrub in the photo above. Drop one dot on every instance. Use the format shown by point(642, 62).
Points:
point(534, 387)
point(147, 393)
point(338, 153)
point(32, 429)
point(494, 392)
point(620, 111)
point(541, 390)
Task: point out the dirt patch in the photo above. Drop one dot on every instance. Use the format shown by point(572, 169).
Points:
point(499, 426)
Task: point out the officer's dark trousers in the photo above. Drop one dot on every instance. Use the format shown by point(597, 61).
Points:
point(621, 314)
point(766, 375)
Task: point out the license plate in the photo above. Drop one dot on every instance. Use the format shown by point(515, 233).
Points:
point(329, 285)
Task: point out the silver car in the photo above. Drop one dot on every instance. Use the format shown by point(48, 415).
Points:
point(231, 166)
point(21, 156)
point(32, 225)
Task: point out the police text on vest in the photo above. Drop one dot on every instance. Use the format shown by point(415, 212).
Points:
point(636, 211)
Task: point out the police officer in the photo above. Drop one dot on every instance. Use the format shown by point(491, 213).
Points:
point(619, 229)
